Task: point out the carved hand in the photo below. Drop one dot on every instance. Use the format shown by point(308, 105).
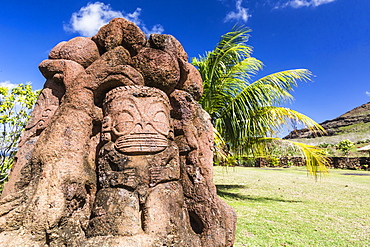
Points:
point(130, 178)
point(157, 174)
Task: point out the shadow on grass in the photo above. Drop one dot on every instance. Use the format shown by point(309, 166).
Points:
point(355, 174)
point(230, 186)
point(222, 191)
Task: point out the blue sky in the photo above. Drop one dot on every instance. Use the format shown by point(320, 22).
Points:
point(329, 37)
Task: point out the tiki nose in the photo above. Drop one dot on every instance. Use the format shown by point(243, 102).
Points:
point(143, 128)
point(138, 128)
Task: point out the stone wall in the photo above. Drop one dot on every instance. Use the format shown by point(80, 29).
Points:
point(352, 163)
point(283, 161)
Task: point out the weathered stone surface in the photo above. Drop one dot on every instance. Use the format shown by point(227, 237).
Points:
point(113, 69)
point(192, 83)
point(81, 50)
point(59, 73)
point(54, 53)
point(169, 44)
point(120, 32)
point(159, 68)
point(172, 46)
point(210, 217)
point(114, 155)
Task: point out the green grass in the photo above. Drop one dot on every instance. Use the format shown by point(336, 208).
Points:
point(355, 128)
point(361, 113)
point(353, 152)
point(287, 207)
point(354, 133)
point(354, 137)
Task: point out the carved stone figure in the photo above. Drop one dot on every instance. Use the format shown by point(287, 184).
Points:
point(117, 151)
point(139, 171)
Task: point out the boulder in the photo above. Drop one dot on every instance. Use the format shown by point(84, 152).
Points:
point(80, 49)
point(158, 68)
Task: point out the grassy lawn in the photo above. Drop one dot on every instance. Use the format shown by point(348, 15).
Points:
point(287, 207)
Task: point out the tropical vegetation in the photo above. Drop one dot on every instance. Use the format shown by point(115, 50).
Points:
point(344, 146)
point(15, 106)
point(247, 114)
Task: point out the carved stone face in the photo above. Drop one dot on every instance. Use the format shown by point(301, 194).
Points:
point(137, 117)
point(45, 108)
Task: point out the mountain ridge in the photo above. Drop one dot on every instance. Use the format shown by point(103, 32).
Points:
point(355, 121)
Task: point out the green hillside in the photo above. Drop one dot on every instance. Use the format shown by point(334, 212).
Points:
point(354, 125)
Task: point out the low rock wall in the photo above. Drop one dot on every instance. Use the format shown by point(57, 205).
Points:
point(352, 163)
point(355, 163)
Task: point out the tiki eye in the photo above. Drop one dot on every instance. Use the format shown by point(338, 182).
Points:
point(124, 122)
point(161, 123)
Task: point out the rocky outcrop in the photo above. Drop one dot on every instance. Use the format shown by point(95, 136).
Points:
point(117, 152)
point(332, 127)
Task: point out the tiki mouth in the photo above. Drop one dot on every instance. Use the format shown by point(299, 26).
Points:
point(141, 143)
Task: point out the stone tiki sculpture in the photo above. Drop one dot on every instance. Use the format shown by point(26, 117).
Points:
point(117, 152)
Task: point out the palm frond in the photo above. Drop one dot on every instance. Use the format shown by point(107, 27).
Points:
point(281, 118)
point(316, 161)
point(246, 113)
point(226, 68)
point(269, 121)
point(284, 81)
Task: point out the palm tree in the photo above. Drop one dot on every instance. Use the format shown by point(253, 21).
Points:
point(246, 114)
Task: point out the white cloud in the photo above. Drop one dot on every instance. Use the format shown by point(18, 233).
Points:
point(304, 3)
point(134, 17)
point(8, 84)
point(89, 19)
point(367, 93)
point(155, 29)
point(241, 14)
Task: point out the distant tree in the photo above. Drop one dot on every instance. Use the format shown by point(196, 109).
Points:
point(246, 113)
point(15, 107)
point(344, 146)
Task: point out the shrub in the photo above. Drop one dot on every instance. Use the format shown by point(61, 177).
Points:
point(274, 161)
point(247, 161)
point(289, 163)
point(345, 146)
point(324, 145)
